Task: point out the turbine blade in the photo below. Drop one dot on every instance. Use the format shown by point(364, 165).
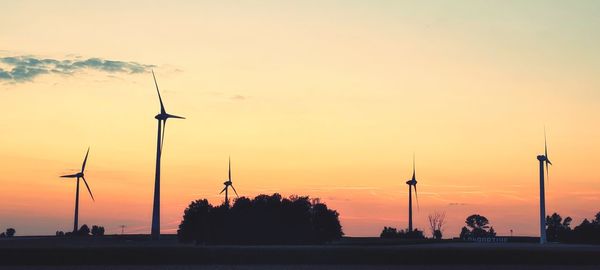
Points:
point(234, 191)
point(85, 160)
point(162, 138)
point(547, 158)
point(414, 168)
point(545, 145)
point(88, 188)
point(548, 172)
point(417, 197)
point(69, 176)
point(162, 107)
point(175, 116)
point(223, 190)
point(229, 171)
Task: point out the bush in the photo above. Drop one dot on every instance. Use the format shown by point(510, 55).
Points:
point(84, 230)
point(97, 230)
point(262, 220)
point(10, 232)
point(390, 232)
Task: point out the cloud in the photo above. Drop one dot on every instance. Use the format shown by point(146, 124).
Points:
point(239, 97)
point(456, 204)
point(16, 69)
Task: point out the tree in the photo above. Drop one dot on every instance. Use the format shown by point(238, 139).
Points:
point(60, 233)
point(389, 232)
point(97, 230)
point(477, 222)
point(326, 223)
point(479, 227)
point(436, 223)
point(558, 229)
point(10, 232)
point(84, 230)
point(465, 233)
point(586, 232)
point(266, 219)
point(194, 226)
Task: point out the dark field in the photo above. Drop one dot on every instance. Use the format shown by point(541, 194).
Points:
point(137, 252)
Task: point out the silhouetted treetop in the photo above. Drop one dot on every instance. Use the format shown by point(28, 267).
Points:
point(10, 232)
point(477, 226)
point(559, 230)
point(266, 219)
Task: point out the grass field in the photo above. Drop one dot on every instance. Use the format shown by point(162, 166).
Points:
point(136, 252)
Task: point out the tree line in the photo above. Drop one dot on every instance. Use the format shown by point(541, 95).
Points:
point(265, 219)
point(84, 230)
point(559, 230)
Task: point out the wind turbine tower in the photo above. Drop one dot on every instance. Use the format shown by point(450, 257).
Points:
point(79, 175)
point(544, 162)
point(162, 123)
point(412, 183)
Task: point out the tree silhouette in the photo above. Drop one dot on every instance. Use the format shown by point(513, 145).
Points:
point(194, 226)
point(436, 224)
point(326, 223)
point(266, 219)
point(10, 232)
point(390, 232)
point(477, 226)
point(97, 230)
point(558, 229)
point(464, 233)
point(84, 230)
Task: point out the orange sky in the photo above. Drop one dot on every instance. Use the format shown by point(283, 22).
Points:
point(327, 99)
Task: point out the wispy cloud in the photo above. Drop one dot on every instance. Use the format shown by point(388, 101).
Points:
point(239, 97)
point(456, 204)
point(16, 69)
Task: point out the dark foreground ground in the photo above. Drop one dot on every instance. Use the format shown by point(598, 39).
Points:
point(137, 252)
point(303, 267)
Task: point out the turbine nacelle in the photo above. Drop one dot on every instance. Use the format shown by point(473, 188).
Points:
point(81, 175)
point(411, 182)
point(227, 183)
point(542, 158)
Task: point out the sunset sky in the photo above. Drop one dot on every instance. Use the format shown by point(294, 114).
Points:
point(322, 98)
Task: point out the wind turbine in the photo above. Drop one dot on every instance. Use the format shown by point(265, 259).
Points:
point(162, 122)
point(544, 161)
point(78, 176)
point(228, 184)
point(412, 183)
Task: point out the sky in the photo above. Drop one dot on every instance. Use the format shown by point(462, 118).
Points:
point(328, 99)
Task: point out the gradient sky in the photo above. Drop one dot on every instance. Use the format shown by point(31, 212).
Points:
point(322, 98)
